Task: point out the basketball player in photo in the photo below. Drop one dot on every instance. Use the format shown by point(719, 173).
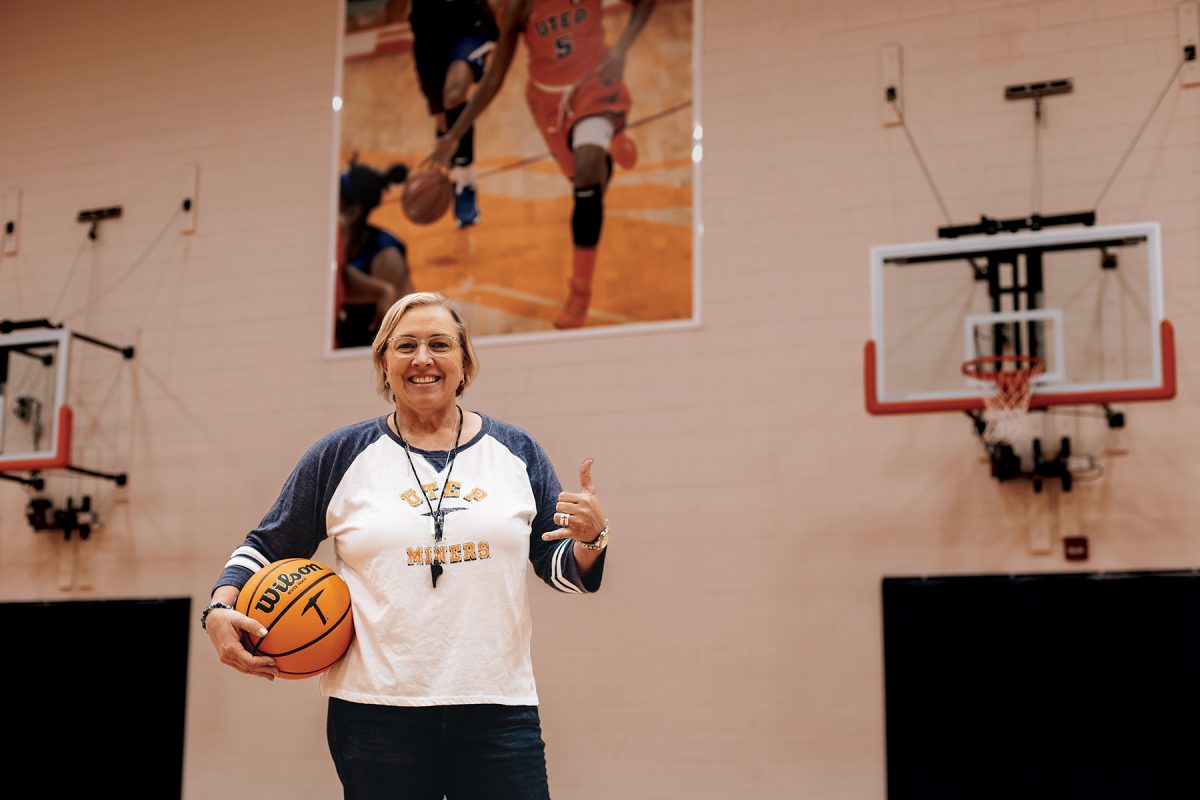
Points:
point(451, 41)
point(579, 103)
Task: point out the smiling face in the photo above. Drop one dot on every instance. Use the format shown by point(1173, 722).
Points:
point(425, 380)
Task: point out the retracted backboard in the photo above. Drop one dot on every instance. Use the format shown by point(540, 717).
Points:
point(34, 416)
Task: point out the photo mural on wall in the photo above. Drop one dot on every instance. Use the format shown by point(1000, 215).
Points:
point(567, 132)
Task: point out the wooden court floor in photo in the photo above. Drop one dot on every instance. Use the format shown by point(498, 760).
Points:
point(511, 269)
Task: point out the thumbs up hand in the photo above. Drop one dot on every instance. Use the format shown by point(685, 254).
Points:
point(578, 514)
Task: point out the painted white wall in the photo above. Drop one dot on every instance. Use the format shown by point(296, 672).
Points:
point(735, 650)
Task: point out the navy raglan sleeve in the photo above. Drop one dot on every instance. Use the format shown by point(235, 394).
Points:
point(295, 524)
point(554, 562)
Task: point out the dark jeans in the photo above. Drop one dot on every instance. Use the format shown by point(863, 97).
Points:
point(477, 752)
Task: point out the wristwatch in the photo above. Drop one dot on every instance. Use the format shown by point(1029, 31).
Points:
point(600, 542)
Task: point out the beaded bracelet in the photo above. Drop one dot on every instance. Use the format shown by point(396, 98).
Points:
point(211, 607)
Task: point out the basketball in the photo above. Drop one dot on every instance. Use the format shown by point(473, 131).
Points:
point(305, 608)
point(427, 196)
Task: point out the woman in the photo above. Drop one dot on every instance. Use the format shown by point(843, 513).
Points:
point(355, 294)
point(433, 511)
point(373, 263)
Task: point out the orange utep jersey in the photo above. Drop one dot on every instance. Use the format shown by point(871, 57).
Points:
point(565, 40)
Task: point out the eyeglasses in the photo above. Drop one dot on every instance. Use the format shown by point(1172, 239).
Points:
point(436, 345)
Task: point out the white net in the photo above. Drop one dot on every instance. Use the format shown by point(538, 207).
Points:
point(1005, 409)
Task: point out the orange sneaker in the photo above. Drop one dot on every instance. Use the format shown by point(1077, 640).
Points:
point(574, 311)
point(624, 151)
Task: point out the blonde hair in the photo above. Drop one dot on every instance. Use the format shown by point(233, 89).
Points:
point(392, 318)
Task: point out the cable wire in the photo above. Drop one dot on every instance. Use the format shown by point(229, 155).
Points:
point(925, 169)
point(66, 283)
point(129, 271)
point(1138, 135)
point(1036, 201)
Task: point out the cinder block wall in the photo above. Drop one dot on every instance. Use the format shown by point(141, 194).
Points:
point(735, 650)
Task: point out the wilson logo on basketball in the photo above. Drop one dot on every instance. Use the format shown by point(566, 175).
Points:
point(283, 582)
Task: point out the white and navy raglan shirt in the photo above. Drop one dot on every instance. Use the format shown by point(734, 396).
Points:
point(465, 641)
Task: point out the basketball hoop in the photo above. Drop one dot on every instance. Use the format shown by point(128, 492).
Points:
point(1004, 408)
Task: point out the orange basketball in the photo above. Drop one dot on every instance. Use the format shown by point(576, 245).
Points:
point(305, 608)
point(427, 196)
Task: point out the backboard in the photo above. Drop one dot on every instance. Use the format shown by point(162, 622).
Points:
point(34, 417)
point(1088, 302)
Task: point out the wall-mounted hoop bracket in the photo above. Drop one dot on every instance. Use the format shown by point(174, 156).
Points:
point(95, 216)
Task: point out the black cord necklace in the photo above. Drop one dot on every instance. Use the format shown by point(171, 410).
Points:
point(439, 518)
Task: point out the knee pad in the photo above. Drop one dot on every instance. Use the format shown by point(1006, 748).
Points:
point(596, 130)
point(588, 216)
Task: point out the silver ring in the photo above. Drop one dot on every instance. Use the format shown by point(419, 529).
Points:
point(565, 519)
